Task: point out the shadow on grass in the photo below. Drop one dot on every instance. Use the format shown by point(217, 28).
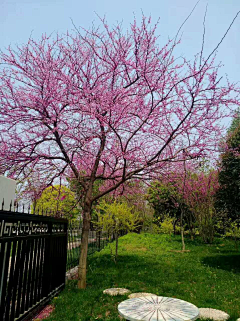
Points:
point(224, 262)
point(104, 271)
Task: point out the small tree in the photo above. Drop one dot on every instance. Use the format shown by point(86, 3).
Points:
point(115, 218)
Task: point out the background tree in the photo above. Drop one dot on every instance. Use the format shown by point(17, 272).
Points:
point(164, 199)
point(106, 105)
point(59, 201)
point(200, 190)
point(195, 201)
point(228, 195)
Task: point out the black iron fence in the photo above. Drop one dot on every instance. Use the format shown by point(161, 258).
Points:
point(33, 257)
point(97, 240)
point(35, 252)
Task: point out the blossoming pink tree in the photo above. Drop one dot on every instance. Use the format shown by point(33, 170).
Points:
point(200, 191)
point(187, 192)
point(106, 105)
point(197, 190)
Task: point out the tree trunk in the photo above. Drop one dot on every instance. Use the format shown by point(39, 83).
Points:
point(116, 252)
point(191, 228)
point(182, 235)
point(98, 239)
point(182, 232)
point(82, 268)
point(116, 244)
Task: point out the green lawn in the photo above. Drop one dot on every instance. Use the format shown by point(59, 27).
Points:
point(207, 276)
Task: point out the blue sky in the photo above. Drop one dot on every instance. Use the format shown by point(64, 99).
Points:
point(20, 18)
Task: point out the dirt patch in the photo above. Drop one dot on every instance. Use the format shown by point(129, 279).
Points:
point(177, 251)
point(135, 248)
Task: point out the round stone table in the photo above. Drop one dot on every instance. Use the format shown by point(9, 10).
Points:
point(157, 308)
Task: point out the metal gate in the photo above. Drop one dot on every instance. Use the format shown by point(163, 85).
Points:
point(33, 257)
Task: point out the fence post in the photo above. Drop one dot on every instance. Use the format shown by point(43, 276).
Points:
point(98, 239)
point(65, 247)
point(47, 270)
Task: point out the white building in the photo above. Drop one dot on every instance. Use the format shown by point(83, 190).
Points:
point(7, 192)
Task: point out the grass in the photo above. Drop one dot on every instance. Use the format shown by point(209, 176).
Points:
point(207, 276)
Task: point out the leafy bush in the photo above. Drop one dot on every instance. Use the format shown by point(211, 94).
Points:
point(234, 232)
point(167, 226)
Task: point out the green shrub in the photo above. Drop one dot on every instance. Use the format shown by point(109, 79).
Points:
point(166, 226)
